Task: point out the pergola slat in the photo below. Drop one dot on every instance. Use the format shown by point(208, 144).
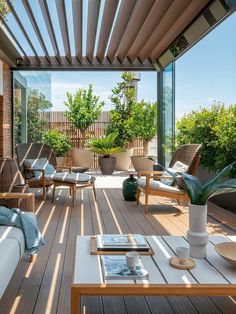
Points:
point(14, 38)
point(125, 11)
point(136, 21)
point(47, 19)
point(154, 17)
point(36, 28)
point(23, 30)
point(107, 22)
point(61, 11)
point(185, 18)
point(165, 24)
point(77, 6)
point(93, 13)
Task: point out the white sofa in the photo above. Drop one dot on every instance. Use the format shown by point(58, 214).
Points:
point(12, 247)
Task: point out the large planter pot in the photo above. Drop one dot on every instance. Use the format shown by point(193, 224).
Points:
point(107, 165)
point(61, 161)
point(123, 160)
point(130, 187)
point(142, 163)
point(197, 234)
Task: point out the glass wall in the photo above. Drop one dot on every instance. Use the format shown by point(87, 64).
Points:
point(166, 114)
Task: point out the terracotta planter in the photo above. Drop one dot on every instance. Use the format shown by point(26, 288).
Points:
point(123, 160)
point(142, 163)
point(197, 234)
point(107, 165)
point(61, 161)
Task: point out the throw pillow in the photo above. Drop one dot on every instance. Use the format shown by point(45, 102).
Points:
point(169, 172)
point(41, 163)
point(179, 168)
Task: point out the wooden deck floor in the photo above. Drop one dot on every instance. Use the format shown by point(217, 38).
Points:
point(44, 286)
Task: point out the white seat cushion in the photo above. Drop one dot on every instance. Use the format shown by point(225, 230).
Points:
point(10, 256)
point(159, 186)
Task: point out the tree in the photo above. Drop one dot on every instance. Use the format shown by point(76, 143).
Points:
point(123, 98)
point(144, 122)
point(83, 109)
point(3, 8)
point(36, 122)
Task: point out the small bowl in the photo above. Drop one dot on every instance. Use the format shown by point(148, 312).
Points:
point(227, 250)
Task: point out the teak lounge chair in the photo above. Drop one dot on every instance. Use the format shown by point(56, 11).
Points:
point(189, 155)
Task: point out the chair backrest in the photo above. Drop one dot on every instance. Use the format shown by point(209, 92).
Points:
point(189, 154)
point(81, 157)
point(34, 151)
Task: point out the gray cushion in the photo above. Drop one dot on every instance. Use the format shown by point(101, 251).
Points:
point(159, 186)
point(40, 163)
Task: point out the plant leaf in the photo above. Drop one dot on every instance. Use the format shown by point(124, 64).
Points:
point(193, 188)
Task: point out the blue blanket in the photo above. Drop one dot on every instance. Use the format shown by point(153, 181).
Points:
point(16, 218)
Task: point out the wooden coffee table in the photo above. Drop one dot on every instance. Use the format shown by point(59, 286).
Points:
point(73, 187)
point(212, 276)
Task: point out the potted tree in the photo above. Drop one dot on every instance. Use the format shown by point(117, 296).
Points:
point(199, 194)
point(104, 146)
point(59, 142)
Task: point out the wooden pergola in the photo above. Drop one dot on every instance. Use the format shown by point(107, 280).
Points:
point(114, 34)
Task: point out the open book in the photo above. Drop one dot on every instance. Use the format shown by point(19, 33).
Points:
point(114, 267)
point(121, 242)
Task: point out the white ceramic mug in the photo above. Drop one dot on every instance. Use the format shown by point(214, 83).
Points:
point(182, 254)
point(132, 259)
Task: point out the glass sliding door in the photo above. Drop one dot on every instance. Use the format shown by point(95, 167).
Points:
point(166, 114)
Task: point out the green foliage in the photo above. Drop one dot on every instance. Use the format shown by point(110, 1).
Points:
point(3, 8)
point(199, 194)
point(105, 145)
point(215, 129)
point(144, 120)
point(17, 121)
point(123, 98)
point(83, 109)
point(59, 142)
point(36, 122)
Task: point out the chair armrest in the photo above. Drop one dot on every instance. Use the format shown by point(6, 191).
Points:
point(12, 195)
point(35, 169)
point(141, 173)
point(148, 178)
point(63, 167)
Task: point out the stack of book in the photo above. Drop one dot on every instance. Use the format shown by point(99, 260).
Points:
point(115, 267)
point(124, 242)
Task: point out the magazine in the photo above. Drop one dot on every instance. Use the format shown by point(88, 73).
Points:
point(122, 242)
point(114, 267)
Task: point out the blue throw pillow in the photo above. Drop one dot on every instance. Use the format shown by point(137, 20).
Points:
point(169, 172)
point(40, 163)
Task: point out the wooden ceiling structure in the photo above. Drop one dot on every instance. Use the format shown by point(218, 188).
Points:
point(120, 34)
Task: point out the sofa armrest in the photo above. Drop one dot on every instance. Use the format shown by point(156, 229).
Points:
point(29, 196)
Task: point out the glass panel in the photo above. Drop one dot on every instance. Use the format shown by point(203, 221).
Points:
point(166, 115)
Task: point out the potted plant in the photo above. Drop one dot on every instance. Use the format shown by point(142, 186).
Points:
point(59, 142)
point(199, 194)
point(104, 146)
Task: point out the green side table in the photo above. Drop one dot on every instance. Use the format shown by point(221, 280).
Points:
point(130, 187)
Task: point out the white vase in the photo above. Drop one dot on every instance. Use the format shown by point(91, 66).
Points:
point(197, 234)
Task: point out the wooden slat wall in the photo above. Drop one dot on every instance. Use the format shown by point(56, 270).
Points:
point(57, 120)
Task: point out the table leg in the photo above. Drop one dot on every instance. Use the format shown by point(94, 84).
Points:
point(73, 194)
point(75, 301)
point(53, 193)
point(94, 192)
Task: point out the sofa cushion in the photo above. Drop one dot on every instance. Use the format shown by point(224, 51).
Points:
point(40, 163)
point(10, 257)
point(159, 186)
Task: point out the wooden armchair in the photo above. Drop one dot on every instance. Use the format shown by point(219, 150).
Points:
point(149, 181)
point(36, 151)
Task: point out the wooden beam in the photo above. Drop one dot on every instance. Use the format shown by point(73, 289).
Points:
point(36, 28)
point(11, 7)
point(47, 19)
point(93, 13)
point(125, 11)
point(77, 6)
point(153, 19)
point(106, 26)
point(61, 11)
point(136, 21)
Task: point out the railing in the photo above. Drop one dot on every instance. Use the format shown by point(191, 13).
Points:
point(57, 120)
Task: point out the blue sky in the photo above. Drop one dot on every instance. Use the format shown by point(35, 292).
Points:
point(204, 74)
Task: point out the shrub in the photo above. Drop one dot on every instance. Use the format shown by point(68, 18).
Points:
point(59, 142)
point(215, 129)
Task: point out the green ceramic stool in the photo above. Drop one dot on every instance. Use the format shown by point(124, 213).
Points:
point(130, 187)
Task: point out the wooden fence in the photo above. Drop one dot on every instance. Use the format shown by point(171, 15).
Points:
point(57, 120)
